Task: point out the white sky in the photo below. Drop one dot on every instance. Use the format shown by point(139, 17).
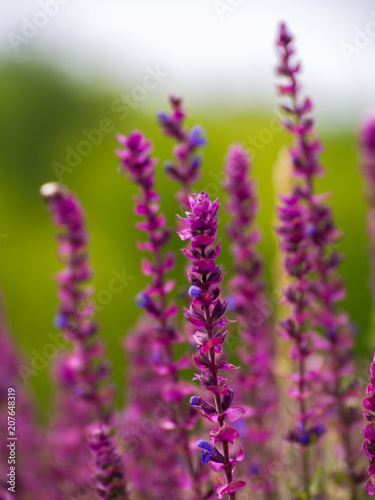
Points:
point(207, 58)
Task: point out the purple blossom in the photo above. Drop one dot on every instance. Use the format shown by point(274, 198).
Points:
point(207, 314)
point(85, 368)
point(76, 310)
point(34, 474)
point(308, 238)
point(146, 463)
point(206, 449)
point(70, 456)
point(369, 430)
point(295, 243)
point(367, 140)
point(185, 169)
point(138, 165)
point(108, 465)
point(255, 383)
point(367, 144)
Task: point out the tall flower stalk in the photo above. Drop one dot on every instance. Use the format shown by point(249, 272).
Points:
point(185, 169)
point(142, 436)
point(87, 366)
point(310, 236)
point(207, 312)
point(255, 382)
point(34, 478)
point(295, 242)
point(367, 145)
point(138, 165)
point(367, 141)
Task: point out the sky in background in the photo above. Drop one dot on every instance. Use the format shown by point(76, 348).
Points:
point(214, 52)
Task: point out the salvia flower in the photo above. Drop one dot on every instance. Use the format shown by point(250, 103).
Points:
point(108, 465)
point(75, 315)
point(369, 430)
point(146, 464)
point(34, 476)
point(207, 315)
point(367, 141)
point(185, 169)
point(138, 165)
point(255, 382)
point(86, 366)
point(295, 243)
point(367, 145)
point(309, 236)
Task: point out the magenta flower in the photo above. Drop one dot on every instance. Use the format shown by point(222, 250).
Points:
point(308, 237)
point(367, 144)
point(298, 262)
point(185, 169)
point(76, 310)
point(255, 383)
point(108, 465)
point(207, 314)
point(367, 140)
point(369, 430)
point(138, 165)
point(149, 451)
point(34, 475)
point(86, 369)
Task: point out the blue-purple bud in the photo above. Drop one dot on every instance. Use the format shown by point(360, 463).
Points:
point(206, 449)
point(196, 138)
point(232, 303)
point(194, 401)
point(162, 117)
point(142, 300)
point(311, 230)
point(195, 291)
point(61, 321)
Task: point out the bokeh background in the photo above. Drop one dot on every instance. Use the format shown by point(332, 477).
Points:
point(65, 66)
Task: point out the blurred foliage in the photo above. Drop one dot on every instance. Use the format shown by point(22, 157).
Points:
point(42, 112)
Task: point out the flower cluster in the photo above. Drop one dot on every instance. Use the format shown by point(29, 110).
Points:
point(367, 144)
point(159, 434)
point(207, 313)
point(108, 466)
point(309, 235)
point(369, 430)
point(142, 436)
point(185, 169)
point(138, 165)
point(294, 231)
point(75, 314)
point(84, 368)
point(367, 140)
point(255, 382)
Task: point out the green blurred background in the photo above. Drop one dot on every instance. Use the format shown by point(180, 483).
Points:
point(43, 112)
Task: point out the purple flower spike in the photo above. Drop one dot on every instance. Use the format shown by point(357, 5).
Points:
point(138, 165)
point(108, 466)
point(185, 167)
point(367, 143)
point(85, 370)
point(255, 384)
point(207, 314)
point(76, 311)
point(308, 237)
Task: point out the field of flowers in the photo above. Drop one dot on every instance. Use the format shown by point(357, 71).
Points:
point(226, 347)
